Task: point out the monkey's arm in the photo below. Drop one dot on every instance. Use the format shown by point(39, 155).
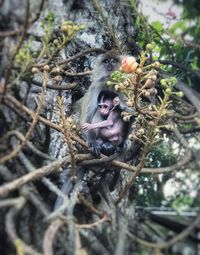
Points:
point(105, 123)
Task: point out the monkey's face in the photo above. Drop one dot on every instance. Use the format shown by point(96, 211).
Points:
point(111, 64)
point(105, 65)
point(104, 108)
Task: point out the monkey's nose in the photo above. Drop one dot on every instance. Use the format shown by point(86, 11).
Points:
point(109, 67)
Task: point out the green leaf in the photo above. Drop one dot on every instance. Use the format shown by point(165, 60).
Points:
point(157, 25)
point(137, 22)
point(181, 25)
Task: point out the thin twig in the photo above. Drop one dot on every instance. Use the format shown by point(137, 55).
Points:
point(20, 245)
point(147, 147)
point(32, 126)
point(49, 236)
point(190, 94)
point(40, 172)
point(20, 29)
point(63, 86)
point(180, 66)
point(170, 242)
point(89, 206)
point(186, 159)
point(10, 64)
point(46, 181)
point(80, 54)
point(94, 224)
point(30, 145)
point(68, 138)
point(70, 74)
point(42, 119)
point(184, 42)
point(9, 202)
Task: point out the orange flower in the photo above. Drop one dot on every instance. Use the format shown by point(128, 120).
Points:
point(129, 65)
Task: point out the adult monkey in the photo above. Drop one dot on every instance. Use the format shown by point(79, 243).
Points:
point(104, 66)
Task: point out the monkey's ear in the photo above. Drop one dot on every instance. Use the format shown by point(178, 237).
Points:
point(116, 101)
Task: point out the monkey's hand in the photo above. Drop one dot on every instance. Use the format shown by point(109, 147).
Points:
point(87, 126)
point(116, 101)
point(95, 149)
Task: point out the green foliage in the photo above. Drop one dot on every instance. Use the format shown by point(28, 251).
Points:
point(68, 30)
point(138, 22)
point(141, 25)
point(26, 57)
point(178, 26)
point(185, 189)
point(195, 64)
point(194, 29)
point(191, 8)
point(47, 25)
point(168, 83)
point(143, 251)
point(158, 26)
point(116, 78)
point(183, 202)
point(25, 54)
point(161, 155)
point(149, 191)
point(48, 20)
point(178, 43)
point(187, 126)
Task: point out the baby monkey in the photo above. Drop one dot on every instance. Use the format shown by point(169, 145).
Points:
point(109, 126)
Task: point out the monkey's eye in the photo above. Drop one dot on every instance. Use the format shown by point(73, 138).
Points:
point(103, 106)
point(106, 61)
point(115, 60)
